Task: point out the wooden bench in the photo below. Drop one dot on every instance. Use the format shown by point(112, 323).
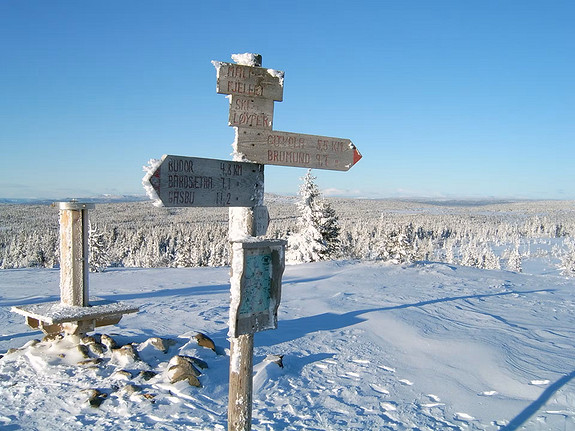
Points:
point(55, 317)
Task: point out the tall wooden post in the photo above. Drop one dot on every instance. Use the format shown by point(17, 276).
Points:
point(242, 223)
point(74, 253)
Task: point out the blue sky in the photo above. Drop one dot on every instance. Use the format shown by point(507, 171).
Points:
point(445, 98)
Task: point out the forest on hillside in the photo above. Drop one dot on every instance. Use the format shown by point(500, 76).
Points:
point(488, 235)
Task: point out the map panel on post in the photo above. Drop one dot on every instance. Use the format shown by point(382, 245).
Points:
point(196, 182)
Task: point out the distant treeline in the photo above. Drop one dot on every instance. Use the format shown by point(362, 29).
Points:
point(137, 234)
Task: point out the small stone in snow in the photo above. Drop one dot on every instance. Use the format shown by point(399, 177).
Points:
point(96, 348)
point(131, 389)
point(109, 342)
point(122, 374)
point(147, 375)
point(187, 363)
point(31, 343)
point(161, 344)
point(83, 350)
point(127, 351)
point(88, 339)
point(276, 359)
point(182, 368)
point(95, 397)
point(91, 361)
point(149, 397)
point(205, 341)
point(53, 337)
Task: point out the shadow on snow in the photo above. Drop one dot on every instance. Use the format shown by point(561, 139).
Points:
point(290, 330)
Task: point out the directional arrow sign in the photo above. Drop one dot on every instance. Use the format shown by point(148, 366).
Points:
point(195, 182)
point(293, 149)
point(249, 81)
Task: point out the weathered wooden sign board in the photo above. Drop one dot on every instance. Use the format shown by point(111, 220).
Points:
point(238, 79)
point(253, 112)
point(197, 182)
point(257, 268)
point(272, 147)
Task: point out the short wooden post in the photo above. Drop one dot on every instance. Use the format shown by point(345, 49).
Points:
point(74, 242)
point(73, 314)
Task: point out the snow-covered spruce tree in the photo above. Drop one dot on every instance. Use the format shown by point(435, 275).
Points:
point(317, 235)
point(513, 257)
point(98, 256)
point(567, 264)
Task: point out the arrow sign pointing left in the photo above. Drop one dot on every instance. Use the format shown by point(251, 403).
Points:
point(177, 181)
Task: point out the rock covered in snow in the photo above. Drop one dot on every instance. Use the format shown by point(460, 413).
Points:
point(205, 341)
point(127, 351)
point(161, 344)
point(183, 368)
point(108, 341)
point(95, 397)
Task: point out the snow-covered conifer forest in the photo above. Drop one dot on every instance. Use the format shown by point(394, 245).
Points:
point(421, 316)
point(490, 235)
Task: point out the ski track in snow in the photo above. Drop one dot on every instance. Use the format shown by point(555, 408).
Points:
point(366, 347)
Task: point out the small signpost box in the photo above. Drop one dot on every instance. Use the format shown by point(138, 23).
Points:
point(257, 265)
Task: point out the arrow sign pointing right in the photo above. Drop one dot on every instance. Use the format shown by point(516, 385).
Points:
point(272, 147)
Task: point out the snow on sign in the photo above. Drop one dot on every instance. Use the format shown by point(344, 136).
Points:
point(294, 149)
point(179, 181)
point(239, 79)
point(257, 268)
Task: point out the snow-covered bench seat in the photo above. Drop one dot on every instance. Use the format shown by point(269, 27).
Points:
point(54, 317)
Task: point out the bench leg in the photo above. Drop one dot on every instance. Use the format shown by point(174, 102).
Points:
point(80, 328)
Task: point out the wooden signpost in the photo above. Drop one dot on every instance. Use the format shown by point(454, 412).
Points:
point(195, 182)
point(250, 112)
point(272, 147)
point(257, 265)
point(248, 80)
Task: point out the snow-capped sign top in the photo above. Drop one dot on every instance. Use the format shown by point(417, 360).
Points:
point(248, 59)
point(238, 79)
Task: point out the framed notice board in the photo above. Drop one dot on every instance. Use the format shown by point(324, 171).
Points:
point(257, 268)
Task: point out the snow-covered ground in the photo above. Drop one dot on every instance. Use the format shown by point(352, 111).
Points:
point(367, 346)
